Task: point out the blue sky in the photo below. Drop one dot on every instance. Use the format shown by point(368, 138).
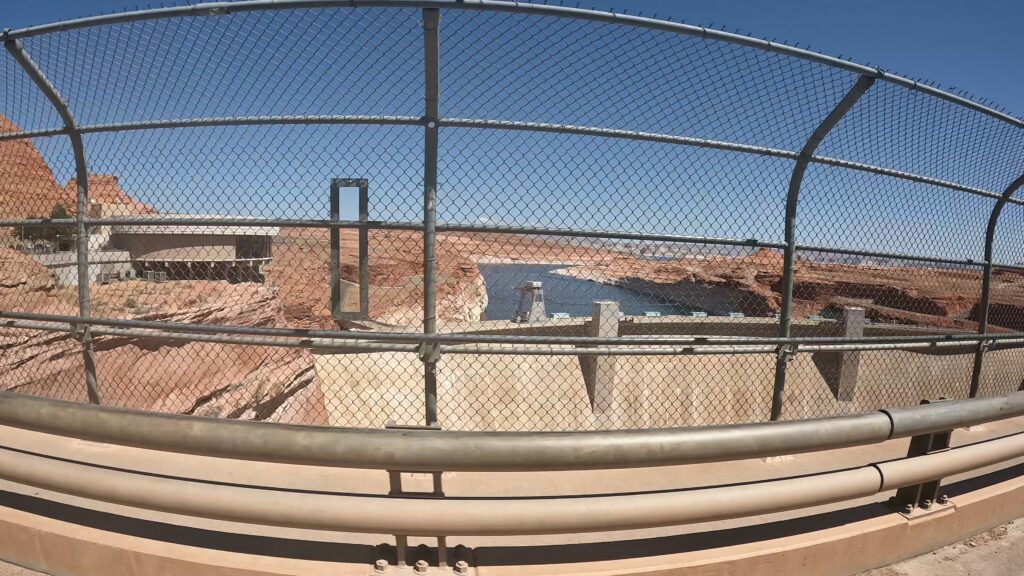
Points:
point(723, 93)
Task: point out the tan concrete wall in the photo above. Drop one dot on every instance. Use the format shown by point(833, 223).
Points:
point(180, 247)
point(506, 392)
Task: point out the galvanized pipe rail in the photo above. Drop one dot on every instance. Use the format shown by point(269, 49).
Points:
point(491, 516)
point(438, 450)
point(16, 50)
point(626, 348)
point(442, 227)
point(221, 8)
point(55, 322)
point(986, 281)
point(517, 126)
point(854, 94)
point(431, 113)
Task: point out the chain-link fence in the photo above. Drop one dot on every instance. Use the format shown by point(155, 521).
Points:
point(493, 216)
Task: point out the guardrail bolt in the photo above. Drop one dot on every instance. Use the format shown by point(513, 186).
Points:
point(421, 567)
point(927, 504)
point(908, 509)
point(461, 568)
point(381, 566)
point(943, 499)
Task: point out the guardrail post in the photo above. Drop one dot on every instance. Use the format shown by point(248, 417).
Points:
point(792, 199)
point(81, 204)
point(986, 282)
point(848, 364)
point(421, 565)
point(599, 372)
point(910, 498)
point(431, 90)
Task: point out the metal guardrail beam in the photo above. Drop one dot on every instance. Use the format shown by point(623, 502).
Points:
point(432, 516)
point(491, 516)
point(792, 201)
point(437, 450)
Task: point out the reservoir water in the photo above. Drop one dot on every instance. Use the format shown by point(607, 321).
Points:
point(562, 293)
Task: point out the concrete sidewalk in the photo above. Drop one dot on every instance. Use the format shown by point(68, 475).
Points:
point(996, 552)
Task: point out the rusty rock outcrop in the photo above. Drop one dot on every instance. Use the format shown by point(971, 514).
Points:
point(202, 378)
point(21, 272)
point(105, 189)
point(27, 185)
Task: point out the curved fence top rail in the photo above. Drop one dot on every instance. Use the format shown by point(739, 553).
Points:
point(219, 8)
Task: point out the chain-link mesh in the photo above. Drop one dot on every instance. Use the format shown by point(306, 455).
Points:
point(611, 233)
point(263, 63)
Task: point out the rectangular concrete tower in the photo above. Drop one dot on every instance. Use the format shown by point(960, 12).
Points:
point(599, 372)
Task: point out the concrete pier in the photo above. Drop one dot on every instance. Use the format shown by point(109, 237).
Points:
point(848, 363)
point(599, 372)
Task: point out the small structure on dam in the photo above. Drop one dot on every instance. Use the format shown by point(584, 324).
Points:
point(531, 303)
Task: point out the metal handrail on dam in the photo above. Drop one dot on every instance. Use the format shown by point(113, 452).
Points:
point(492, 452)
point(439, 450)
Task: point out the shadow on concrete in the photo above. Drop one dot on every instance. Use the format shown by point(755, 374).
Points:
point(827, 364)
point(482, 556)
point(189, 536)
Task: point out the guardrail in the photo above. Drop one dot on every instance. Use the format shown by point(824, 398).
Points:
point(424, 450)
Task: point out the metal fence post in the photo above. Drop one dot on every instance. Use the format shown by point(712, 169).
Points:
point(364, 249)
point(792, 199)
point(82, 207)
point(337, 299)
point(335, 247)
point(986, 282)
point(431, 56)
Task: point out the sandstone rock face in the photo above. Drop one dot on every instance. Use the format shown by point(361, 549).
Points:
point(22, 273)
point(27, 185)
point(716, 284)
point(105, 189)
point(202, 378)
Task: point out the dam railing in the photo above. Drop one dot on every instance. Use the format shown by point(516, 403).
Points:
point(775, 190)
point(436, 451)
